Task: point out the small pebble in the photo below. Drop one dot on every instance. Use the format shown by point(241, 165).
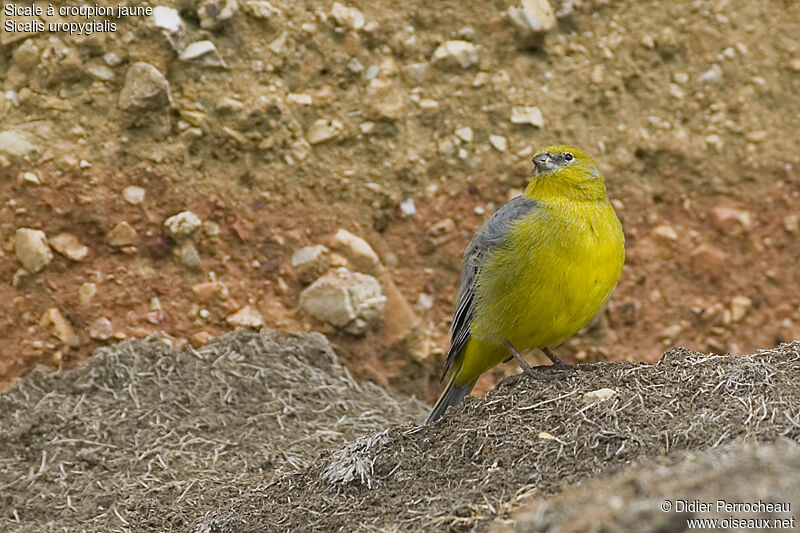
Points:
point(408, 207)
point(133, 195)
point(498, 142)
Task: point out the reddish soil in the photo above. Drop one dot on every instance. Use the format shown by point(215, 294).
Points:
point(704, 173)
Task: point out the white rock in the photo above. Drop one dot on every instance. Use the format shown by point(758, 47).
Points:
point(13, 97)
point(425, 301)
point(323, 130)
point(527, 115)
point(30, 177)
point(169, 22)
point(17, 143)
point(408, 207)
point(357, 250)
point(355, 66)
point(112, 59)
point(246, 317)
point(145, 88)
point(278, 45)
point(226, 104)
point(20, 276)
point(87, 292)
point(465, 134)
point(791, 223)
point(69, 246)
point(349, 300)
point(182, 225)
point(532, 20)
point(166, 18)
point(188, 255)
point(428, 105)
point(299, 98)
point(480, 79)
point(133, 194)
point(308, 255)
point(61, 327)
point(665, 232)
point(739, 307)
point(757, 136)
point(498, 142)
point(349, 17)
point(211, 228)
point(100, 329)
point(386, 99)
point(261, 10)
point(714, 141)
point(300, 149)
point(456, 53)
point(415, 74)
point(203, 53)
point(32, 249)
point(599, 395)
point(100, 72)
point(712, 75)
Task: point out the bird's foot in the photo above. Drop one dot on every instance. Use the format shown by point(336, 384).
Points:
point(520, 360)
point(557, 363)
point(543, 372)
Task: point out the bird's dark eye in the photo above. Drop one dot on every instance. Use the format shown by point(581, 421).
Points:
point(568, 157)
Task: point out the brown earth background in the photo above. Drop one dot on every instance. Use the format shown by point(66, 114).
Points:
point(690, 108)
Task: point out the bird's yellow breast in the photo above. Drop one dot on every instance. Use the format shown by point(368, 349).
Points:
point(554, 273)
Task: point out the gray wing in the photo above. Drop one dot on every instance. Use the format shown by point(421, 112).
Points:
point(491, 235)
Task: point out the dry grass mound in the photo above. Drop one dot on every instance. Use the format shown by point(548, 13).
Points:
point(141, 437)
point(534, 437)
point(269, 433)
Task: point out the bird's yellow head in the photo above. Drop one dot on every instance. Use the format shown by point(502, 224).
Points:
point(562, 171)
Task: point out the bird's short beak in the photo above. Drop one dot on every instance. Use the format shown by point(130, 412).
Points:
point(543, 162)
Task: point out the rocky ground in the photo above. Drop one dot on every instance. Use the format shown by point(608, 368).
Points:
point(381, 136)
point(270, 433)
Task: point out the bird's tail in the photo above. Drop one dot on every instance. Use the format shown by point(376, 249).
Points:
point(452, 395)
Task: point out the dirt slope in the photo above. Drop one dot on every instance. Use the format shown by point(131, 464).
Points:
point(688, 106)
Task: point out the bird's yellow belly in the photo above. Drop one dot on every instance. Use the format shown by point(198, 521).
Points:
point(540, 299)
point(550, 315)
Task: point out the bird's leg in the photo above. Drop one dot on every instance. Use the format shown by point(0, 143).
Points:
point(522, 363)
point(556, 361)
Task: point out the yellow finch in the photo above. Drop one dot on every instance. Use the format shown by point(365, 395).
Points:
point(536, 272)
